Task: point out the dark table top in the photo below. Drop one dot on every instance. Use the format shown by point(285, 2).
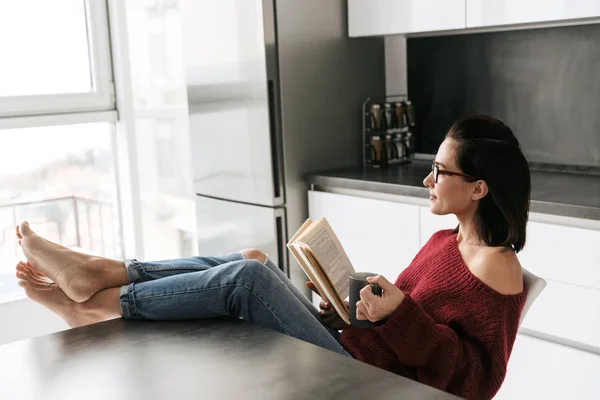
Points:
point(556, 193)
point(205, 359)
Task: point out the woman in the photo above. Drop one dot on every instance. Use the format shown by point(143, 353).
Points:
point(450, 319)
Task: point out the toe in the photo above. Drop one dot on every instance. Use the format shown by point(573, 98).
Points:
point(32, 271)
point(39, 276)
point(39, 281)
point(22, 275)
point(23, 230)
point(34, 281)
point(23, 283)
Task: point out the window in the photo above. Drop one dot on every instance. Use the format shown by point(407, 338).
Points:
point(54, 59)
point(167, 207)
point(62, 180)
point(60, 133)
point(57, 129)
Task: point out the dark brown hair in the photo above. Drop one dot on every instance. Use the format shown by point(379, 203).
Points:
point(488, 149)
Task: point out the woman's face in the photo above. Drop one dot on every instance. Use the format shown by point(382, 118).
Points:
point(452, 194)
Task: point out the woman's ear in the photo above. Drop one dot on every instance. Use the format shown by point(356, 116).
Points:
point(480, 190)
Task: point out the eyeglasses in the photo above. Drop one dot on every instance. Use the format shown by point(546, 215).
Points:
point(437, 171)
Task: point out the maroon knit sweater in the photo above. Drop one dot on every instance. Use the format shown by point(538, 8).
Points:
point(452, 331)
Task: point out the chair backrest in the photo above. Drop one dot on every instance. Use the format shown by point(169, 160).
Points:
point(534, 286)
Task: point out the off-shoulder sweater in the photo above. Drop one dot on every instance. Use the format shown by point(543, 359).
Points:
point(451, 331)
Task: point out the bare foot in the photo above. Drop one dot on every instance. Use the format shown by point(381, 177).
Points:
point(42, 290)
point(36, 276)
point(78, 275)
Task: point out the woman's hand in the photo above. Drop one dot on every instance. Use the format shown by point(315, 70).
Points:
point(328, 314)
point(377, 308)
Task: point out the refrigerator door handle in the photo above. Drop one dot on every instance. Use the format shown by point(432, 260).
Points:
point(282, 251)
point(275, 144)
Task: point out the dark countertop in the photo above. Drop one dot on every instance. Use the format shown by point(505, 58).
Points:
point(202, 359)
point(566, 194)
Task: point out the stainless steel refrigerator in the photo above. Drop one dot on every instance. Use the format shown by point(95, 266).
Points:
point(275, 89)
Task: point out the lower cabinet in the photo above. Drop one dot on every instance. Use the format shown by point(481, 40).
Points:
point(539, 369)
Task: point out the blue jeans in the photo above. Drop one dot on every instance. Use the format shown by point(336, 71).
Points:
point(207, 287)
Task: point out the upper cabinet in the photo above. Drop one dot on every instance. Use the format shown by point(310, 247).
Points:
point(508, 12)
point(391, 17)
point(388, 17)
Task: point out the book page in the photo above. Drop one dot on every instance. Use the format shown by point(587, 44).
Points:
point(303, 255)
point(335, 299)
point(304, 226)
point(330, 254)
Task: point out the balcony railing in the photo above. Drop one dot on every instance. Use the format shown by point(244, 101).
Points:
point(71, 221)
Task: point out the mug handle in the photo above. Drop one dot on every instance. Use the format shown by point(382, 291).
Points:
point(376, 289)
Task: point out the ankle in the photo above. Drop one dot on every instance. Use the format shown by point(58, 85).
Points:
point(97, 264)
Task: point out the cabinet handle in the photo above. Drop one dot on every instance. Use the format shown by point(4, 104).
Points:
point(274, 142)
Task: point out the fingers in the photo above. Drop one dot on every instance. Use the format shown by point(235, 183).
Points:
point(331, 321)
point(312, 287)
point(383, 283)
point(326, 308)
point(329, 315)
point(361, 311)
point(367, 297)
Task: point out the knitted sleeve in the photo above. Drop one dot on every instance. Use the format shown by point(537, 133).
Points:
point(444, 358)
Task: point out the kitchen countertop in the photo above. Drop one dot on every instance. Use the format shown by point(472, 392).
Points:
point(221, 358)
point(564, 194)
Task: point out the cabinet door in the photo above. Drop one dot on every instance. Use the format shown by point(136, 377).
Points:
point(507, 12)
point(378, 236)
point(538, 369)
point(563, 253)
point(431, 223)
point(569, 259)
point(385, 17)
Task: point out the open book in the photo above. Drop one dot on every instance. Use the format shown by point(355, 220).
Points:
point(320, 254)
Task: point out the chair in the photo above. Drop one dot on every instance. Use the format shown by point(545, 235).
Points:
point(534, 286)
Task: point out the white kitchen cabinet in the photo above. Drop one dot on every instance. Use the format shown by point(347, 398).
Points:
point(569, 259)
point(563, 253)
point(482, 13)
point(431, 223)
point(568, 312)
point(538, 369)
point(378, 236)
point(388, 17)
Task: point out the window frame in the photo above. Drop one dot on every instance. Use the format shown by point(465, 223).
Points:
point(101, 98)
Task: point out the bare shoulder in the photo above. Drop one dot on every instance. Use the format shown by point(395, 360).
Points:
point(500, 269)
